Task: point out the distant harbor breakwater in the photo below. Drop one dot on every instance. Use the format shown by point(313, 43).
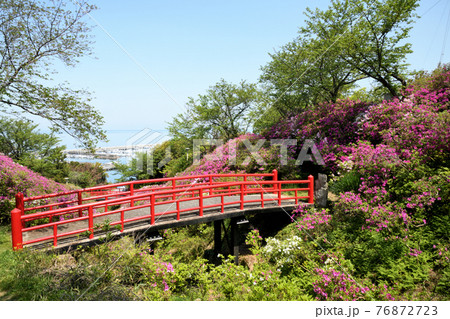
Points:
point(110, 153)
point(105, 155)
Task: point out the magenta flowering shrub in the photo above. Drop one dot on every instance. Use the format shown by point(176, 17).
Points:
point(337, 122)
point(331, 125)
point(15, 178)
point(158, 274)
point(378, 164)
point(313, 221)
point(389, 217)
point(334, 280)
point(391, 176)
point(408, 125)
point(395, 190)
point(419, 122)
point(234, 157)
point(434, 88)
point(424, 193)
point(336, 285)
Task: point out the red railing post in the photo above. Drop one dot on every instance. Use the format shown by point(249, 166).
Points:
point(242, 196)
point(91, 222)
point(245, 186)
point(262, 200)
point(152, 209)
point(275, 179)
point(131, 194)
point(20, 205)
point(200, 201)
point(311, 189)
point(16, 229)
point(279, 193)
point(174, 185)
point(80, 202)
point(55, 235)
point(210, 184)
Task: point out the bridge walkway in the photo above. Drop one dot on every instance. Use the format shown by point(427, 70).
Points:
point(78, 217)
point(163, 220)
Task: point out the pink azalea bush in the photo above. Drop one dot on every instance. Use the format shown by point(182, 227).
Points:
point(311, 220)
point(330, 125)
point(393, 157)
point(337, 285)
point(234, 157)
point(15, 178)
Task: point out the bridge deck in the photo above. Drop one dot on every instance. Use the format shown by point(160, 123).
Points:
point(162, 221)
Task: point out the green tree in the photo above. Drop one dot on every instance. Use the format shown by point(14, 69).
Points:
point(33, 35)
point(40, 152)
point(86, 174)
point(146, 165)
point(137, 169)
point(298, 76)
point(225, 111)
point(19, 138)
point(369, 36)
point(350, 41)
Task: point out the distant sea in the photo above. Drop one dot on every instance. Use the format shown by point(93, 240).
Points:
point(119, 138)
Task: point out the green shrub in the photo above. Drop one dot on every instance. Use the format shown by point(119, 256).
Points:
point(349, 182)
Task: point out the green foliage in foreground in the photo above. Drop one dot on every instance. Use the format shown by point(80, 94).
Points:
point(327, 262)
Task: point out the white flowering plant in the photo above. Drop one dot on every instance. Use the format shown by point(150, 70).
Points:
point(284, 252)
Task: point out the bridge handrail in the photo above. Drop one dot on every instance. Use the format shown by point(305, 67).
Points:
point(147, 181)
point(18, 218)
point(20, 200)
point(80, 193)
point(68, 210)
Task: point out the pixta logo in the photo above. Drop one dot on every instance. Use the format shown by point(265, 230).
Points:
point(145, 141)
point(308, 152)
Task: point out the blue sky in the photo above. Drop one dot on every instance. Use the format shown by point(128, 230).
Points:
point(150, 56)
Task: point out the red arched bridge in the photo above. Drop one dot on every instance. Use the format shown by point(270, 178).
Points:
point(80, 216)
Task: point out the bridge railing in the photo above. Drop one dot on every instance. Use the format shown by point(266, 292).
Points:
point(50, 202)
point(150, 199)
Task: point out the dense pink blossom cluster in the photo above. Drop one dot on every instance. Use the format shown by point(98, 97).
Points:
point(15, 178)
point(420, 123)
point(377, 217)
point(337, 285)
point(307, 220)
point(334, 285)
point(408, 125)
point(331, 125)
point(232, 157)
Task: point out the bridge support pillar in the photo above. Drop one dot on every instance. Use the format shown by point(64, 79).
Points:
point(231, 236)
point(234, 234)
point(217, 239)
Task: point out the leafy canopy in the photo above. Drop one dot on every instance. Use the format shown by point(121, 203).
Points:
point(33, 35)
point(225, 111)
point(349, 41)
